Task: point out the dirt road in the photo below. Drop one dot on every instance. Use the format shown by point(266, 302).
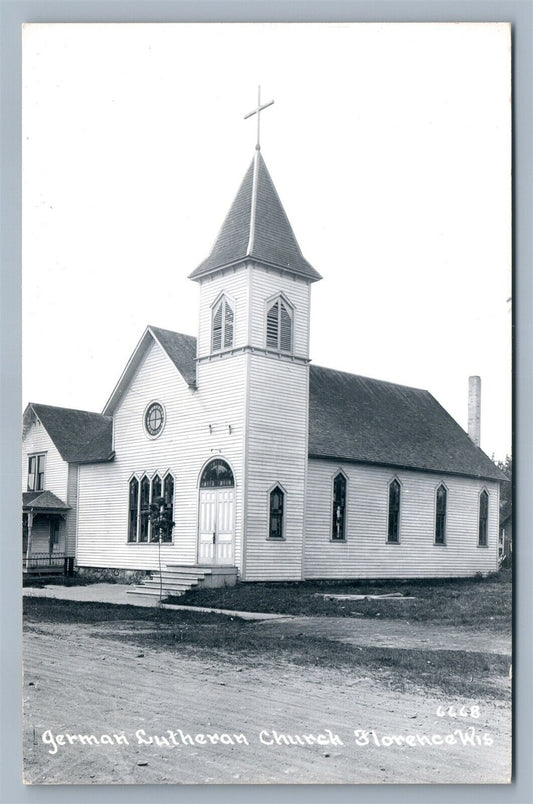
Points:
point(79, 682)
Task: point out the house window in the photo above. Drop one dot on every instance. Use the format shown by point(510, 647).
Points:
point(36, 472)
point(141, 497)
point(222, 328)
point(393, 534)
point(440, 515)
point(339, 508)
point(275, 530)
point(483, 518)
point(279, 327)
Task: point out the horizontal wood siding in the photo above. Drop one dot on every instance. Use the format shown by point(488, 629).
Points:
point(277, 454)
point(265, 283)
point(72, 500)
point(366, 554)
point(234, 283)
point(56, 469)
point(184, 446)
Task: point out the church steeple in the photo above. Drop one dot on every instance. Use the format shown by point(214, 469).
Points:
point(257, 228)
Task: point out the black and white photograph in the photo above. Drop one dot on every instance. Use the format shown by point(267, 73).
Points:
point(267, 525)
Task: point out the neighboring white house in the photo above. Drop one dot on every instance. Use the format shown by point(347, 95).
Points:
point(54, 442)
point(266, 464)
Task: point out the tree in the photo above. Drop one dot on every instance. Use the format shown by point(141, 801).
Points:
point(506, 489)
point(162, 525)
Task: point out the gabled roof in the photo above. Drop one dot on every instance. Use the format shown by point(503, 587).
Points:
point(257, 228)
point(182, 351)
point(43, 501)
point(79, 435)
point(179, 348)
point(358, 419)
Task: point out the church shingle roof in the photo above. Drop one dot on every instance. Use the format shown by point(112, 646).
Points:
point(257, 228)
point(359, 419)
point(79, 435)
point(362, 420)
point(182, 351)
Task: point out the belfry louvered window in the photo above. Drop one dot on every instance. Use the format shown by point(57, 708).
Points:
point(279, 327)
point(222, 330)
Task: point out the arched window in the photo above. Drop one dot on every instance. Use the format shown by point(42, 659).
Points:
point(145, 509)
point(483, 518)
point(217, 473)
point(222, 328)
point(275, 529)
point(141, 497)
point(339, 508)
point(440, 515)
point(156, 487)
point(393, 533)
point(133, 509)
point(279, 327)
point(168, 496)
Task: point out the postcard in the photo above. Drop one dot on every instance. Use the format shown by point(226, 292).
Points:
point(266, 497)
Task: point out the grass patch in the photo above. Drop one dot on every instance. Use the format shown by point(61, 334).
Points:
point(482, 602)
point(451, 672)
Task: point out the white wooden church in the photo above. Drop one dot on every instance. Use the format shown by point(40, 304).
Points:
point(271, 468)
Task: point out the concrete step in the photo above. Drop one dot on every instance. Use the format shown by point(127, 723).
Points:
point(194, 568)
point(171, 587)
point(154, 593)
point(179, 576)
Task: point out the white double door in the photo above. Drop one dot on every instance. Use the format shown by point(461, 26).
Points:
point(216, 538)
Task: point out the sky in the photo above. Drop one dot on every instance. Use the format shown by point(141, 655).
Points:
point(390, 148)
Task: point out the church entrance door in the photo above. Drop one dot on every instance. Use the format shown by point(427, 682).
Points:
point(216, 532)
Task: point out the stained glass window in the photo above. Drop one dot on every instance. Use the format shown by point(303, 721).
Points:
point(275, 530)
point(339, 508)
point(483, 518)
point(440, 515)
point(216, 473)
point(394, 512)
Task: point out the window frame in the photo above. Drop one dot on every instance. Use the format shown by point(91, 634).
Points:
point(36, 456)
point(344, 538)
point(399, 513)
point(222, 302)
point(280, 299)
point(484, 493)
point(162, 477)
point(442, 543)
point(270, 491)
point(153, 436)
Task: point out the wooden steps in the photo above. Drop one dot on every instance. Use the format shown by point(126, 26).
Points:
point(175, 580)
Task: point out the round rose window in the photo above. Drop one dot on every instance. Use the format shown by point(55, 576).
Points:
point(154, 419)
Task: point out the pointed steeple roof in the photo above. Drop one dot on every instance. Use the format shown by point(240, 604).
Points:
point(257, 228)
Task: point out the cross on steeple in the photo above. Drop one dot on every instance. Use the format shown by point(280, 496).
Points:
point(258, 111)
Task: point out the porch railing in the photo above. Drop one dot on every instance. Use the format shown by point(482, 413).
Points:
point(48, 561)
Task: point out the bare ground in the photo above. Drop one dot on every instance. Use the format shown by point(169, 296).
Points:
point(80, 679)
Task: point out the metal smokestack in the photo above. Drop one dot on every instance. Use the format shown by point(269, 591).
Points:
point(474, 409)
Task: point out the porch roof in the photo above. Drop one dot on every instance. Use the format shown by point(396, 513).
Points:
point(42, 501)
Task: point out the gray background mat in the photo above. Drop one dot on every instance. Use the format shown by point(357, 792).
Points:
point(13, 14)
